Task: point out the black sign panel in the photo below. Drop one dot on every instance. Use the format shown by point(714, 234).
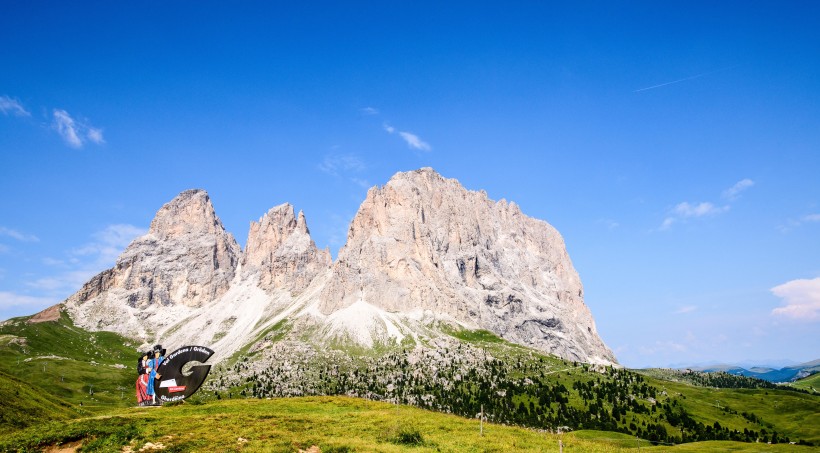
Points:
point(173, 385)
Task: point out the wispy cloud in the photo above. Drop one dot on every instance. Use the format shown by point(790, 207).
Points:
point(10, 300)
point(108, 243)
point(662, 347)
point(801, 297)
point(334, 164)
point(686, 210)
point(791, 224)
point(369, 111)
point(87, 260)
point(14, 234)
point(75, 132)
point(413, 141)
point(346, 166)
point(11, 106)
point(363, 183)
point(685, 309)
point(733, 192)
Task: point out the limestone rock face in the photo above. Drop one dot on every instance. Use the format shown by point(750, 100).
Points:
point(280, 251)
point(423, 256)
point(186, 259)
point(423, 246)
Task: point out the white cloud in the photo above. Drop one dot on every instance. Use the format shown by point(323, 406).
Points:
point(801, 297)
point(363, 183)
point(685, 309)
point(370, 111)
point(87, 260)
point(18, 235)
point(686, 209)
point(11, 300)
point(95, 135)
point(109, 243)
point(64, 282)
point(12, 106)
point(662, 347)
point(339, 163)
point(733, 192)
point(413, 141)
point(791, 224)
point(65, 126)
point(74, 132)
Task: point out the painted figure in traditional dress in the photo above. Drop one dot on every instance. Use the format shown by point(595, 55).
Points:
point(154, 363)
point(142, 380)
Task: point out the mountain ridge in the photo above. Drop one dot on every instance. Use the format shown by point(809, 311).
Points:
point(421, 250)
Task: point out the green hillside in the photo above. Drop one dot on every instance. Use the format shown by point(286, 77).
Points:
point(333, 424)
point(811, 383)
point(69, 372)
point(517, 386)
point(25, 405)
point(92, 369)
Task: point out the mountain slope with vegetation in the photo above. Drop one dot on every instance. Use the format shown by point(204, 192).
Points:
point(95, 370)
point(476, 371)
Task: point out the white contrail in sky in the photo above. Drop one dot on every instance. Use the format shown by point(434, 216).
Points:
point(682, 80)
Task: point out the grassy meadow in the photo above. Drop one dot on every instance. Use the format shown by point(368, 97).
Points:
point(333, 424)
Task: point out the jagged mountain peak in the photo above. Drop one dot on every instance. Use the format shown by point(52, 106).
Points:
point(190, 212)
point(281, 252)
point(186, 260)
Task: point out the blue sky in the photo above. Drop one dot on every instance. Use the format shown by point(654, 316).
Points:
point(676, 146)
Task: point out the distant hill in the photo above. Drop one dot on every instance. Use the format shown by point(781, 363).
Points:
point(786, 374)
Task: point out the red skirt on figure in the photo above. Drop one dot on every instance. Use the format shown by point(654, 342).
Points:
point(142, 390)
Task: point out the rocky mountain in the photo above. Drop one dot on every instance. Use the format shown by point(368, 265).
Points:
point(186, 259)
point(423, 248)
point(424, 256)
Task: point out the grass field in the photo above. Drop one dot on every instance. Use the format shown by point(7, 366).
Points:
point(334, 424)
point(785, 412)
point(25, 405)
point(95, 369)
point(811, 383)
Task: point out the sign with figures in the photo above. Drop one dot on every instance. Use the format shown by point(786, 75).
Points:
point(163, 379)
point(176, 384)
